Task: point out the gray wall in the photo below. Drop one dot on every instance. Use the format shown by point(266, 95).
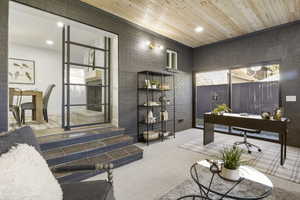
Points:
point(3, 64)
point(281, 43)
point(132, 58)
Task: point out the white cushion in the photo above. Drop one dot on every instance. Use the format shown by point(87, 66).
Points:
point(24, 175)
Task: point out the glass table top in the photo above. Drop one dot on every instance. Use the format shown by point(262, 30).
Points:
point(253, 184)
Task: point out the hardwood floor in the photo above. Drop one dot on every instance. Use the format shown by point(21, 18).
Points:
point(54, 123)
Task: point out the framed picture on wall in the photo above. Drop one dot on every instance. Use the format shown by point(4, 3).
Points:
point(172, 59)
point(21, 71)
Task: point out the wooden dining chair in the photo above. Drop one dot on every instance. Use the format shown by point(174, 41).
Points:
point(31, 106)
point(14, 103)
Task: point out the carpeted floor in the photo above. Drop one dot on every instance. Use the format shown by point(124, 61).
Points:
point(189, 187)
point(165, 165)
point(267, 161)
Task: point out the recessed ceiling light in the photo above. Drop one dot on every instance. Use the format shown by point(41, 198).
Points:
point(199, 29)
point(161, 47)
point(49, 42)
point(60, 24)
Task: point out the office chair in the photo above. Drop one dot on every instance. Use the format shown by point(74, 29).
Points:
point(245, 142)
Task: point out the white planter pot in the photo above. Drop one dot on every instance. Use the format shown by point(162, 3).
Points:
point(230, 174)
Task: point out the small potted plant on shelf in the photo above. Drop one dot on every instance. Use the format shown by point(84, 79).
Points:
point(231, 157)
point(155, 84)
point(221, 109)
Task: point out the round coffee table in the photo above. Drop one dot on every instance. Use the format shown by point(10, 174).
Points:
point(252, 185)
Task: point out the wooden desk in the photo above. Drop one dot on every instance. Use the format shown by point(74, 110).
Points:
point(37, 99)
point(251, 122)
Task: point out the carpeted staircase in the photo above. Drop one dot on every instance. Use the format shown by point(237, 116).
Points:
point(89, 147)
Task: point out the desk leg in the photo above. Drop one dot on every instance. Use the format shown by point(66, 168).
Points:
point(282, 148)
point(285, 143)
point(208, 133)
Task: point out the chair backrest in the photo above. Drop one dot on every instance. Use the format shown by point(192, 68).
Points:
point(12, 95)
point(47, 95)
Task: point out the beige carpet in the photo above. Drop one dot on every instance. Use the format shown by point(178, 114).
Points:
point(267, 161)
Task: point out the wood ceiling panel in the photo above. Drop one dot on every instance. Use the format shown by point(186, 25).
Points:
point(221, 19)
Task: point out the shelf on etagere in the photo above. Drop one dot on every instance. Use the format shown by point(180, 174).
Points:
point(158, 135)
point(157, 122)
point(153, 89)
point(145, 106)
point(156, 73)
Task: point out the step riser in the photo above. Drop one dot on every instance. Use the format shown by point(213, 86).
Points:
point(84, 175)
point(88, 153)
point(77, 140)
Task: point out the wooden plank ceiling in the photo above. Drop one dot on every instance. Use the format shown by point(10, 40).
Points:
point(221, 19)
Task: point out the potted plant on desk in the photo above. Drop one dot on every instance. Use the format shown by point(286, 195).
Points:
point(231, 158)
point(221, 109)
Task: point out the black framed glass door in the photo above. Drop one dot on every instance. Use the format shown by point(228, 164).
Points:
point(86, 81)
point(212, 89)
point(247, 90)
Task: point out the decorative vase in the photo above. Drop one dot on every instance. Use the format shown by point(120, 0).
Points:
point(149, 117)
point(148, 84)
point(277, 114)
point(230, 174)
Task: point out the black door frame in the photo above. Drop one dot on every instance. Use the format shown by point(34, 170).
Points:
point(67, 63)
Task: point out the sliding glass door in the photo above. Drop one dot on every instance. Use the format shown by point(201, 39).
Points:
point(212, 89)
point(255, 90)
point(250, 90)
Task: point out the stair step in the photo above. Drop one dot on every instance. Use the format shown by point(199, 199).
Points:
point(67, 139)
point(118, 157)
point(82, 150)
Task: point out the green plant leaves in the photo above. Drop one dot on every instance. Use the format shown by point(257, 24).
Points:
point(232, 157)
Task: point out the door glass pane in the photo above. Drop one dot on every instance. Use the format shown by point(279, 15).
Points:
point(212, 90)
point(256, 89)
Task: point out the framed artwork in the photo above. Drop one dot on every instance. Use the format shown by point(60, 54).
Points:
point(21, 71)
point(172, 59)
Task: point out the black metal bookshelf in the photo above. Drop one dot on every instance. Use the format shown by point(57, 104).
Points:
point(157, 100)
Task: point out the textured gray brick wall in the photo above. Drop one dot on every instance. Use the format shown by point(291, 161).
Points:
point(132, 58)
point(282, 43)
point(3, 63)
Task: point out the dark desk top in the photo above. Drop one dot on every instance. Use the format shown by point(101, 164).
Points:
point(249, 121)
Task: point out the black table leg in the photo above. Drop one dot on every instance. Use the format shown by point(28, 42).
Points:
point(208, 133)
point(282, 144)
point(285, 143)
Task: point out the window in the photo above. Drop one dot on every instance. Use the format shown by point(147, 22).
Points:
point(253, 90)
point(211, 90)
point(171, 59)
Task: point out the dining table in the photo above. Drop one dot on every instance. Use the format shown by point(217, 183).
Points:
point(37, 100)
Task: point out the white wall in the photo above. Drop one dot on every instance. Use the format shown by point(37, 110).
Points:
point(47, 71)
